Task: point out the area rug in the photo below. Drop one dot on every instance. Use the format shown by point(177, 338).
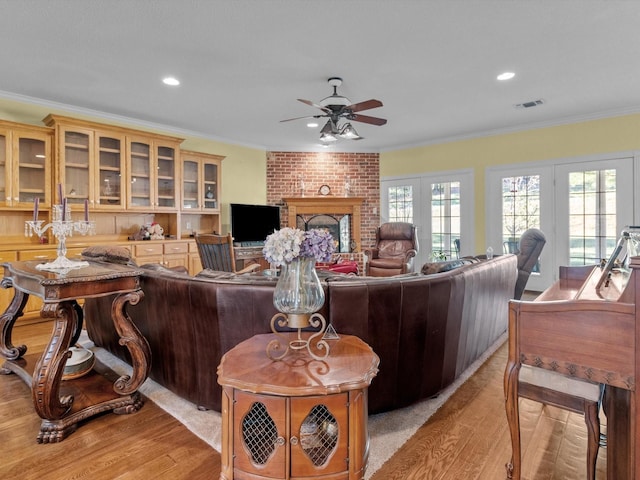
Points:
point(388, 431)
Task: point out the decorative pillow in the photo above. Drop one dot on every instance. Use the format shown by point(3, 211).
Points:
point(108, 253)
point(208, 273)
point(439, 267)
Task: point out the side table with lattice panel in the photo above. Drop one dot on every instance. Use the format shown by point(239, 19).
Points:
point(295, 418)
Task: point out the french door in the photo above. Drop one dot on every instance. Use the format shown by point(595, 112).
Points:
point(440, 206)
point(597, 203)
point(581, 206)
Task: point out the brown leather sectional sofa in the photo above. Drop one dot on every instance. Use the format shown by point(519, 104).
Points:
point(426, 329)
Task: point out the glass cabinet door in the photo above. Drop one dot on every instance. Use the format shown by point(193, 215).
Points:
point(210, 186)
point(166, 178)
point(190, 184)
point(33, 175)
point(5, 169)
point(108, 185)
point(140, 185)
point(75, 180)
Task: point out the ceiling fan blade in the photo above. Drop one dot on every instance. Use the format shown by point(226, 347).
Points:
point(367, 119)
point(366, 105)
point(300, 118)
point(311, 104)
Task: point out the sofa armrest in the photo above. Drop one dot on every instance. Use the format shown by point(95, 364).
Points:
point(371, 253)
point(409, 254)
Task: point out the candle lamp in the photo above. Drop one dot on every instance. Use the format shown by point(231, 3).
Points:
point(62, 227)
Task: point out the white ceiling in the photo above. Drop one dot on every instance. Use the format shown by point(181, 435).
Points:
point(243, 64)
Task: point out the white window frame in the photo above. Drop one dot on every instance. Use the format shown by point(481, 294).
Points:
point(624, 192)
point(554, 208)
point(421, 185)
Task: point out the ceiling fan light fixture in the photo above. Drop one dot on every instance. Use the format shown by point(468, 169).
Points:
point(329, 127)
point(328, 137)
point(349, 132)
point(329, 132)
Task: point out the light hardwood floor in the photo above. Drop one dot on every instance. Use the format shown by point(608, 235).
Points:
point(466, 439)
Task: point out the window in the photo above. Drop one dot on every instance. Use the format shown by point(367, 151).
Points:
point(401, 203)
point(592, 216)
point(441, 207)
point(581, 205)
point(445, 219)
point(520, 208)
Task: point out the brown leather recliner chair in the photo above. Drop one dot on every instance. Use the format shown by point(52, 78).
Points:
point(529, 248)
point(396, 246)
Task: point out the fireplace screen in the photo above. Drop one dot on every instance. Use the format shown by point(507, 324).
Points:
point(340, 228)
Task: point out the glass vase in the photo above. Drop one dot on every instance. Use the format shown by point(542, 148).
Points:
point(298, 292)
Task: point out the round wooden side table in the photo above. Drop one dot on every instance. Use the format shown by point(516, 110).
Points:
point(296, 418)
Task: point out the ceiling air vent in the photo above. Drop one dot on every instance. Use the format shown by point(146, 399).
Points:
point(533, 103)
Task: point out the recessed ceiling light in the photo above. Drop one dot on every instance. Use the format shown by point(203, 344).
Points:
point(171, 81)
point(506, 76)
point(312, 124)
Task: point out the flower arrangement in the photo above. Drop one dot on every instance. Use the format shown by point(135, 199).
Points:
point(283, 245)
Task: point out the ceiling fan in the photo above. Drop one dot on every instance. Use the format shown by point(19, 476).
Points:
point(336, 108)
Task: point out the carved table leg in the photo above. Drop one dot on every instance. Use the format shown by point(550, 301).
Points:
point(48, 372)
point(513, 419)
point(131, 338)
point(58, 422)
point(7, 320)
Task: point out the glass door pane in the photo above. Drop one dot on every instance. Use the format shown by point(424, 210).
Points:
point(110, 171)
point(4, 171)
point(140, 181)
point(76, 181)
point(190, 184)
point(445, 220)
point(400, 203)
point(32, 170)
point(166, 186)
point(592, 216)
point(210, 186)
point(594, 204)
point(520, 210)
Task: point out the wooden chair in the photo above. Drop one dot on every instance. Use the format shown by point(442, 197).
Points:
point(216, 253)
point(536, 380)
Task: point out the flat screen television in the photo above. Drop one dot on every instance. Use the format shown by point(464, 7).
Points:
point(251, 224)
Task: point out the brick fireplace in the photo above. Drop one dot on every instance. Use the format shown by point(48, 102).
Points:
point(301, 174)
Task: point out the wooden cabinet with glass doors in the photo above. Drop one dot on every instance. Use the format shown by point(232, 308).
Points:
point(90, 164)
point(25, 166)
point(200, 182)
point(200, 192)
point(153, 174)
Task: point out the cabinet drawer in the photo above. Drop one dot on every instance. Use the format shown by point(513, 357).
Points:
point(8, 256)
point(147, 249)
point(45, 254)
point(177, 247)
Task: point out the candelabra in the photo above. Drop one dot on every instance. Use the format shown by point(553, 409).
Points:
point(62, 227)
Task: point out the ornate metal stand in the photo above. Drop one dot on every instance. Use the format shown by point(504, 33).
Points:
point(298, 321)
point(61, 230)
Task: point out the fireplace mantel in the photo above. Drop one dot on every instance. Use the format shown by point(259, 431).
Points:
point(327, 205)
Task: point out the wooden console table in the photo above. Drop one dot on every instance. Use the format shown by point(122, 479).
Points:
point(59, 412)
point(296, 418)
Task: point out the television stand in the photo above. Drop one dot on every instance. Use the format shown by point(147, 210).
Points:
point(248, 255)
point(256, 243)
